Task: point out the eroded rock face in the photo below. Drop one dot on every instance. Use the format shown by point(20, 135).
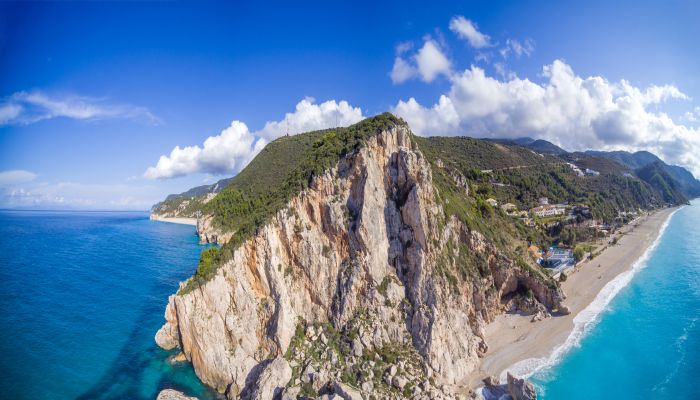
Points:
point(208, 233)
point(270, 382)
point(366, 242)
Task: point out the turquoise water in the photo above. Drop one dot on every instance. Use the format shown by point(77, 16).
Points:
point(82, 296)
point(646, 343)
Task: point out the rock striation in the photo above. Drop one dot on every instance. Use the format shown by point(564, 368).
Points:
point(346, 290)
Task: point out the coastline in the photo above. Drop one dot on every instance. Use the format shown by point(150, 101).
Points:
point(174, 220)
point(522, 347)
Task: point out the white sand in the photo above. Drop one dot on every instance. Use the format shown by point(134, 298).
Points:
point(174, 220)
point(513, 338)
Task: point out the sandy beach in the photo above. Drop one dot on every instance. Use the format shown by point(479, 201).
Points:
point(183, 221)
point(515, 343)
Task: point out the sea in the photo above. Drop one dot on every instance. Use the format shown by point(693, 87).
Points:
point(640, 339)
point(83, 293)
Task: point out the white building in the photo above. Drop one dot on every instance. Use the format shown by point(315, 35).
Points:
point(547, 211)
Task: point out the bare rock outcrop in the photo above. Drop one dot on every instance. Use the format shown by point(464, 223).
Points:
point(270, 382)
point(520, 389)
point(208, 233)
point(171, 394)
point(351, 278)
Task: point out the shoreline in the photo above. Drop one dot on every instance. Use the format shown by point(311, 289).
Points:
point(522, 347)
point(174, 220)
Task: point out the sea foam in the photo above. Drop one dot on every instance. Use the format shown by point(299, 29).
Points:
point(585, 320)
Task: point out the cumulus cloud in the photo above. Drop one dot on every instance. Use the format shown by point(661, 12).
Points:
point(571, 111)
point(431, 61)
point(309, 116)
point(16, 176)
point(228, 151)
point(469, 31)
point(427, 63)
point(235, 146)
point(22, 108)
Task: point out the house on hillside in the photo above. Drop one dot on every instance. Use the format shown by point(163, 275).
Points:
point(560, 259)
point(543, 201)
point(576, 169)
point(547, 211)
point(492, 202)
point(591, 172)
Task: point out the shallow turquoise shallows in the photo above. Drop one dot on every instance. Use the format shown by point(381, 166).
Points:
point(646, 343)
point(81, 298)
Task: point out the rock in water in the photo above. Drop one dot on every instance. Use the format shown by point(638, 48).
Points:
point(167, 337)
point(170, 394)
point(521, 389)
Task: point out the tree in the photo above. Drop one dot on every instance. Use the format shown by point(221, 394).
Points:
point(578, 253)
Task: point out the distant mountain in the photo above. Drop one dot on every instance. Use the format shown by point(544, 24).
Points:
point(656, 175)
point(684, 180)
point(631, 160)
point(201, 190)
point(599, 164)
point(538, 145)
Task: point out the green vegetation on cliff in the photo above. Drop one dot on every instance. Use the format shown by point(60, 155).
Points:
point(517, 175)
point(282, 170)
point(505, 171)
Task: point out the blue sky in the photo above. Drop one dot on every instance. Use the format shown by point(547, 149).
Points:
point(93, 95)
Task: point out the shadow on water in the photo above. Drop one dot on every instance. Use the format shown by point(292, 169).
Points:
point(141, 369)
point(126, 377)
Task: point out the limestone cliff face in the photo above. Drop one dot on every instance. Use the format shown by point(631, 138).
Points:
point(208, 233)
point(367, 240)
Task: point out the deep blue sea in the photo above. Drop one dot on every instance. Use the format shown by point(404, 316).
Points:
point(645, 344)
point(82, 295)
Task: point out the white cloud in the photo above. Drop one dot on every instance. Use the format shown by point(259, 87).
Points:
point(402, 70)
point(693, 116)
point(574, 112)
point(428, 63)
point(518, 48)
point(228, 151)
point(235, 146)
point(309, 116)
point(15, 176)
point(71, 195)
point(22, 108)
point(431, 61)
point(469, 31)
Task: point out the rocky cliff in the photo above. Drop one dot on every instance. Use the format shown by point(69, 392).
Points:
point(355, 285)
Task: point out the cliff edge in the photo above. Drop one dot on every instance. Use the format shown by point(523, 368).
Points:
point(361, 283)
